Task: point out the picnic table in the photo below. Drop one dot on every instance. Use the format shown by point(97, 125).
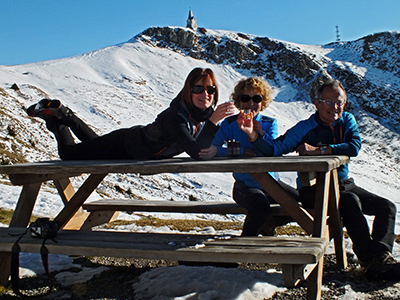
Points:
point(322, 224)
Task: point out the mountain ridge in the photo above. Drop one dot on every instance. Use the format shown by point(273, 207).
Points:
point(268, 57)
point(130, 83)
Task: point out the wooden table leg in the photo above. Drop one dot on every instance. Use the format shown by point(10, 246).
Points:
point(67, 191)
point(320, 230)
point(335, 221)
point(290, 205)
point(321, 205)
point(314, 283)
point(75, 203)
point(20, 218)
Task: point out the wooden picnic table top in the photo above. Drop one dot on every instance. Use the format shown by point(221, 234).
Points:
point(180, 165)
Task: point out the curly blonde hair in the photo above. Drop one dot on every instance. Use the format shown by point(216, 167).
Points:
point(253, 83)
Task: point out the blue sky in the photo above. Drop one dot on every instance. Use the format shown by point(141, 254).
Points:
point(39, 30)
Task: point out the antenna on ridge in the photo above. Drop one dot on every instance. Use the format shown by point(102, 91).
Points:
point(337, 34)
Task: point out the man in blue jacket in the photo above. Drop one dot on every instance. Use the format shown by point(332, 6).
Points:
point(332, 131)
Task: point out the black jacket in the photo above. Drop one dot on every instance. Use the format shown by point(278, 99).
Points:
point(175, 130)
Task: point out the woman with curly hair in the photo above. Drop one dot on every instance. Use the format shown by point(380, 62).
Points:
point(251, 96)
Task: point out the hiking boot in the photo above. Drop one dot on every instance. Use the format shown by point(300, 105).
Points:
point(46, 108)
point(383, 267)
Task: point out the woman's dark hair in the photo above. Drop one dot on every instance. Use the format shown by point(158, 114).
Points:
point(194, 76)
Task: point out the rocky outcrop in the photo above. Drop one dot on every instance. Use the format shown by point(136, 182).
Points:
point(281, 62)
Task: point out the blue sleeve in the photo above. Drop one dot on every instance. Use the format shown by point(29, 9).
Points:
point(285, 143)
point(351, 144)
point(272, 130)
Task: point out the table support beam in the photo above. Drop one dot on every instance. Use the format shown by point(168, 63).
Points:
point(290, 205)
point(321, 205)
point(335, 220)
point(79, 198)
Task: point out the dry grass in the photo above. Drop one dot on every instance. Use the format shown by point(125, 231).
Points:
point(6, 215)
point(178, 224)
point(183, 225)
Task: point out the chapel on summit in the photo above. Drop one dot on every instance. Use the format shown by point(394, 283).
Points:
point(191, 21)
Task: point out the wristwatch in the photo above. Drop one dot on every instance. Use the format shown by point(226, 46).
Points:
point(323, 149)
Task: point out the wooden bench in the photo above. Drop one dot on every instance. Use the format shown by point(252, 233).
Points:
point(105, 210)
point(299, 256)
point(294, 253)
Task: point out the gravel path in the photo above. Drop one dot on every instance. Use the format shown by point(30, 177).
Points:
point(116, 282)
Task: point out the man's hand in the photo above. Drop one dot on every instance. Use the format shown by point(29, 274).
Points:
point(307, 149)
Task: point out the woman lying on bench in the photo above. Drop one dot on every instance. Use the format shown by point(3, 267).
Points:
point(188, 125)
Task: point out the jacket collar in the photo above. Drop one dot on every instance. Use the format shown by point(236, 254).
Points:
point(319, 121)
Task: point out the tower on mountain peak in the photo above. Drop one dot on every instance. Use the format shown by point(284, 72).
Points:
point(191, 21)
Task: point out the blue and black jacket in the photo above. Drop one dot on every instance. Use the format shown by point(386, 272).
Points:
point(229, 130)
point(342, 137)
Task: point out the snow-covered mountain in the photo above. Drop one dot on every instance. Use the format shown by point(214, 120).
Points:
point(130, 83)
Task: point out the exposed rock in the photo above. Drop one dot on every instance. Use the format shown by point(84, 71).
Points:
point(277, 61)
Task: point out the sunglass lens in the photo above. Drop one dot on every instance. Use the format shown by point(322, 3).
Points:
point(211, 89)
point(198, 89)
point(257, 98)
point(245, 98)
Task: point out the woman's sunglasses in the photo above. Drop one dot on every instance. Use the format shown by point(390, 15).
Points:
point(198, 89)
point(246, 98)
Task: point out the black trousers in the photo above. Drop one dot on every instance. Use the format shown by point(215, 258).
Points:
point(258, 205)
point(92, 146)
point(354, 203)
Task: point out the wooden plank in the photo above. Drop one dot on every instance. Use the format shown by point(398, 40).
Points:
point(66, 192)
point(290, 205)
point(290, 250)
point(335, 221)
point(166, 206)
point(25, 204)
point(78, 199)
point(321, 205)
point(5, 266)
point(292, 274)
point(21, 217)
point(308, 179)
point(26, 178)
point(314, 283)
point(65, 189)
point(180, 165)
point(96, 218)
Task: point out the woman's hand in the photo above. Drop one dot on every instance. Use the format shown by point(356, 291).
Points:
point(246, 125)
point(250, 152)
point(208, 153)
point(222, 111)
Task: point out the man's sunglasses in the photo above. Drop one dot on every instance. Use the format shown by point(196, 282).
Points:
point(198, 89)
point(246, 98)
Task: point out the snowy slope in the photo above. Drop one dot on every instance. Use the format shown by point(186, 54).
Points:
point(130, 83)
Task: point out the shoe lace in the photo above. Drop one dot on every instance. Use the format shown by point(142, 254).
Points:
point(390, 260)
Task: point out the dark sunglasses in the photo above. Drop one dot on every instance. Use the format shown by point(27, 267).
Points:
point(246, 98)
point(198, 89)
